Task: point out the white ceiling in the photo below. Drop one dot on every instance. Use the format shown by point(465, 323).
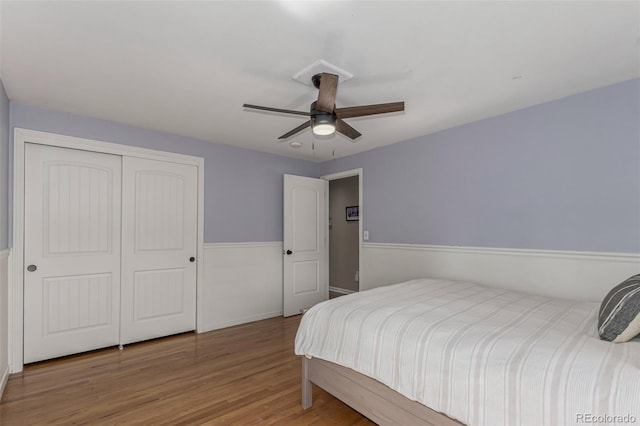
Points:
point(187, 67)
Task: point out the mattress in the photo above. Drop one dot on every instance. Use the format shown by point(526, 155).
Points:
point(483, 356)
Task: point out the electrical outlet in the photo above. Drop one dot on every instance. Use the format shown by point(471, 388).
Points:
point(365, 235)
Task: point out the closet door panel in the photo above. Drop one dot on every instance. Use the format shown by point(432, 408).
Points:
point(158, 241)
point(72, 251)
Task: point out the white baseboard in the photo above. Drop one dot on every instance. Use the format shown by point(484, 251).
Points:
point(244, 320)
point(243, 283)
point(4, 318)
point(340, 290)
point(3, 380)
point(573, 275)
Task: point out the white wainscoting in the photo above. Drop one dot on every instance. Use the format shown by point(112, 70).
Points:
point(573, 275)
point(242, 283)
point(4, 318)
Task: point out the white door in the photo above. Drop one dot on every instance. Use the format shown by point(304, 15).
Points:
point(305, 226)
point(71, 252)
point(159, 248)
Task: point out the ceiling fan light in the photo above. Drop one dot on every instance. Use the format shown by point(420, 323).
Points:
point(324, 129)
point(323, 124)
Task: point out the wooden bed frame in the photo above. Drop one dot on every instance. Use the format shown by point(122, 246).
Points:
point(374, 400)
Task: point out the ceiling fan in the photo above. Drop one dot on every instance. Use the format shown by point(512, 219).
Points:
point(324, 117)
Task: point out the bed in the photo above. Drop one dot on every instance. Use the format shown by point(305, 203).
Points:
point(438, 352)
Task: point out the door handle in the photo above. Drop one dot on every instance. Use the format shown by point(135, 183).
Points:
point(192, 259)
point(31, 268)
point(288, 252)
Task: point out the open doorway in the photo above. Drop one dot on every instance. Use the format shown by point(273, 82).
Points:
point(344, 233)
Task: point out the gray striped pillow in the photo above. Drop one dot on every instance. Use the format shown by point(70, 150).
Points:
point(619, 317)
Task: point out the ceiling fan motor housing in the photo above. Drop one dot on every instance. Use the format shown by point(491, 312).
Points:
point(314, 111)
point(321, 116)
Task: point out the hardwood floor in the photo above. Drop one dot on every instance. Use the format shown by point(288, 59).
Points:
point(243, 375)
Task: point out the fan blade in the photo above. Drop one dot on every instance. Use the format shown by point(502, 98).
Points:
point(327, 92)
point(296, 130)
point(285, 111)
point(347, 130)
point(360, 111)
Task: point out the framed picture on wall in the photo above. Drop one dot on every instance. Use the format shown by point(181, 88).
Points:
point(353, 213)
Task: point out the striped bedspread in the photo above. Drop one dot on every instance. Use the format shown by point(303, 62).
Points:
point(483, 356)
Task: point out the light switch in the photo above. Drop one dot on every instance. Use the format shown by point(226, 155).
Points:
point(365, 235)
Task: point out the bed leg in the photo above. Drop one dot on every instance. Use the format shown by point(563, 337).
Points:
point(307, 392)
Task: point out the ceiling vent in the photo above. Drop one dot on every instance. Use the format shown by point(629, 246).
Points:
point(318, 67)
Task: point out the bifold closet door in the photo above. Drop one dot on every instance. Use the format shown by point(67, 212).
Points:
point(71, 252)
point(159, 248)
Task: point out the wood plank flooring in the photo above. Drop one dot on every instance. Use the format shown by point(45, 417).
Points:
point(243, 375)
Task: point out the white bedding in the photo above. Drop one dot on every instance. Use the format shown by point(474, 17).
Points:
point(483, 356)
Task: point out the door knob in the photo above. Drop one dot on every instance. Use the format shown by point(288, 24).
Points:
point(192, 259)
point(289, 252)
point(31, 268)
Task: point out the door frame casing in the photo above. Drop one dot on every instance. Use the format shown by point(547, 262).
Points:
point(16, 287)
point(342, 175)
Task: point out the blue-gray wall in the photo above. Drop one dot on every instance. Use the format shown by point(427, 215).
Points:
point(4, 168)
point(564, 175)
point(243, 188)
